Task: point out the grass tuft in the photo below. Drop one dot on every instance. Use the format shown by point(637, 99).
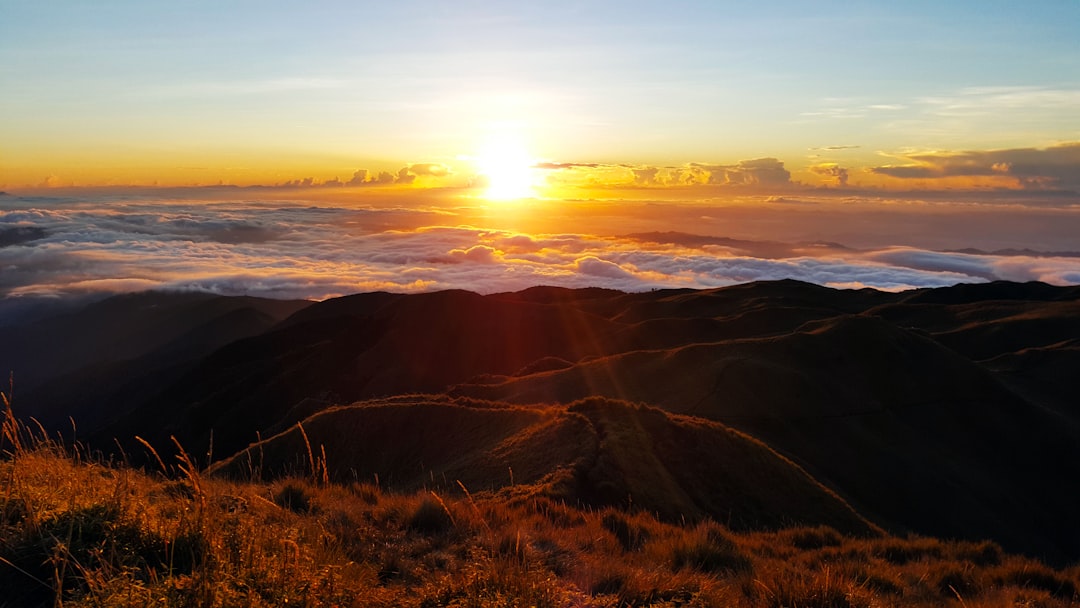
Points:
point(708, 548)
point(83, 534)
point(431, 517)
point(294, 497)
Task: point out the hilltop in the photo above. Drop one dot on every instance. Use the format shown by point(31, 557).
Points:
point(943, 412)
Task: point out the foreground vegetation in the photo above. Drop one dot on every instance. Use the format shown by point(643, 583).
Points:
point(78, 532)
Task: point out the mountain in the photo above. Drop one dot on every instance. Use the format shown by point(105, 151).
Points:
point(889, 416)
point(595, 451)
point(85, 363)
point(370, 346)
point(940, 411)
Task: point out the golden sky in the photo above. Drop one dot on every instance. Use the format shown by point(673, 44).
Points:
point(560, 97)
point(329, 147)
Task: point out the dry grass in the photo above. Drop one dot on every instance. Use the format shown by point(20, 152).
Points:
point(81, 533)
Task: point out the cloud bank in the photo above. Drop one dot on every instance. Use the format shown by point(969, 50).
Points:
point(1056, 167)
point(299, 249)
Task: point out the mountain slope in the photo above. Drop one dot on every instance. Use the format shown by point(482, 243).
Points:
point(945, 411)
point(596, 451)
point(96, 364)
point(915, 435)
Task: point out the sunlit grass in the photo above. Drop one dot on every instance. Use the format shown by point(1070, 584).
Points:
point(81, 532)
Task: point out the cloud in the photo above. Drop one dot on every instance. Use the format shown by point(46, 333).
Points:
point(594, 266)
point(433, 169)
point(404, 177)
point(552, 166)
point(835, 148)
point(17, 235)
point(1003, 98)
point(760, 172)
point(646, 176)
point(359, 178)
point(756, 172)
point(362, 177)
point(304, 249)
point(934, 261)
point(1055, 167)
point(479, 254)
point(832, 170)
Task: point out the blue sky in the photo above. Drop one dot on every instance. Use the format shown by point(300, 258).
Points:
point(274, 88)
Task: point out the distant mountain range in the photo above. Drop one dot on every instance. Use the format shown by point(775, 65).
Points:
point(948, 411)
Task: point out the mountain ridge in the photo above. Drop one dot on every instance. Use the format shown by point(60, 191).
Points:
point(939, 411)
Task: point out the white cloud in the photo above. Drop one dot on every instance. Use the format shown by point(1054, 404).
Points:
point(300, 250)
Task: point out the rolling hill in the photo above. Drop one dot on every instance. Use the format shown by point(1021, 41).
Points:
point(944, 411)
point(594, 451)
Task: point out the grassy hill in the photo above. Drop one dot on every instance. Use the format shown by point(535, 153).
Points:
point(79, 533)
point(945, 412)
point(593, 452)
point(899, 424)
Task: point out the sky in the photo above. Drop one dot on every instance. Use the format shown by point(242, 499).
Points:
point(201, 92)
point(210, 145)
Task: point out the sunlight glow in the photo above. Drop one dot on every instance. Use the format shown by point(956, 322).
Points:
point(507, 168)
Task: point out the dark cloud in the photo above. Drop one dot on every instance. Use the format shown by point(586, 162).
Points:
point(908, 171)
point(16, 235)
point(1056, 167)
point(832, 170)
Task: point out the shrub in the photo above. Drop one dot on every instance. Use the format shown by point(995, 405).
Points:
point(430, 518)
point(294, 497)
point(68, 545)
point(815, 538)
point(609, 583)
point(367, 493)
point(880, 584)
point(632, 537)
point(985, 553)
point(707, 548)
point(952, 580)
point(513, 545)
point(901, 551)
point(1036, 576)
point(560, 514)
point(823, 589)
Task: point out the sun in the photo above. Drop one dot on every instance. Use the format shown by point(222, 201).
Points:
point(507, 168)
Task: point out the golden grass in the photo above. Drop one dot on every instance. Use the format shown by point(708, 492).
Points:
point(80, 533)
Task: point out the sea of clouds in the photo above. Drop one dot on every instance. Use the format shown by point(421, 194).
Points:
point(315, 249)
